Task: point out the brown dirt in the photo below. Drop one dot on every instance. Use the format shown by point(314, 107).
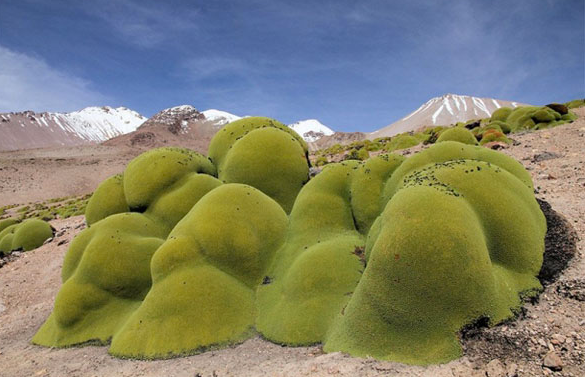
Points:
point(38, 174)
point(556, 322)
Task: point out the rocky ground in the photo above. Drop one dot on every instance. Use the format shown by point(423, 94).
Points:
point(548, 338)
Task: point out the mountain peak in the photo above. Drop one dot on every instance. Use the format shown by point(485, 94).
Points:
point(445, 110)
point(219, 116)
point(311, 129)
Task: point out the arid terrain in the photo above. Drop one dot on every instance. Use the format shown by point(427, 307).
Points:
point(549, 331)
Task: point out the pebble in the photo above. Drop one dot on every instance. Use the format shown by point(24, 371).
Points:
point(557, 339)
point(495, 368)
point(512, 370)
point(553, 361)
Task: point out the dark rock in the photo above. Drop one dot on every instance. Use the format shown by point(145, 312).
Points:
point(545, 156)
point(559, 108)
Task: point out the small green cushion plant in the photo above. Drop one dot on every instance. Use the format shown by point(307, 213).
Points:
point(460, 134)
point(25, 236)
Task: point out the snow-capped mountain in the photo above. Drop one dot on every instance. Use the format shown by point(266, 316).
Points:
point(220, 117)
point(445, 110)
point(183, 126)
point(311, 129)
point(25, 130)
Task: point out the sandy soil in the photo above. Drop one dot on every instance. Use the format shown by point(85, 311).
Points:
point(40, 174)
point(553, 328)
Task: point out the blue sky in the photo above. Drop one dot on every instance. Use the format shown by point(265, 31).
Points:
point(354, 65)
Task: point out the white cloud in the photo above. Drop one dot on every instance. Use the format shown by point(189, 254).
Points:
point(29, 83)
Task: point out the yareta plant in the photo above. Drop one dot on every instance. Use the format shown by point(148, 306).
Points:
point(460, 134)
point(25, 236)
point(388, 257)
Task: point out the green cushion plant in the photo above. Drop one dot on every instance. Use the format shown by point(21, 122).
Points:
point(460, 134)
point(388, 257)
point(27, 235)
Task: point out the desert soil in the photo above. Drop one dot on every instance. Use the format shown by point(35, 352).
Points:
point(39, 174)
point(550, 331)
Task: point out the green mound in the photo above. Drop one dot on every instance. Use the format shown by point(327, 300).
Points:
point(575, 103)
point(262, 153)
point(149, 174)
point(498, 125)
point(531, 117)
point(401, 141)
point(106, 275)
point(6, 223)
point(501, 114)
point(26, 236)
point(108, 199)
point(389, 257)
point(460, 134)
point(492, 135)
point(204, 276)
point(429, 273)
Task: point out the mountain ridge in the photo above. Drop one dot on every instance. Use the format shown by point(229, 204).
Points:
point(29, 129)
point(445, 110)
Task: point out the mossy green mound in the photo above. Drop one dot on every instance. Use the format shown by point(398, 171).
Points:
point(26, 236)
point(501, 114)
point(317, 269)
point(460, 134)
point(205, 275)
point(432, 271)
point(148, 175)
point(388, 257)
point(6, 223)
point(532, 117)
point(108, 199)
point(575, 103)
point(493, 135)
point(106, 274)
point(262, 153)
point(498, 125)
point(402, 141)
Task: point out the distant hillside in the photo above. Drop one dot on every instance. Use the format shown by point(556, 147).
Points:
point(26, 130)
point(445, 110)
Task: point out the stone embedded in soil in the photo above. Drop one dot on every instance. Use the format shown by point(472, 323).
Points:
point(495, 368)
point(545, 156)
point(553, 361)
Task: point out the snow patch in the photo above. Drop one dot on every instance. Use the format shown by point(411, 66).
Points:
point(311, 129)
point(437, 113)
point(220, 117)
point(448, 106)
